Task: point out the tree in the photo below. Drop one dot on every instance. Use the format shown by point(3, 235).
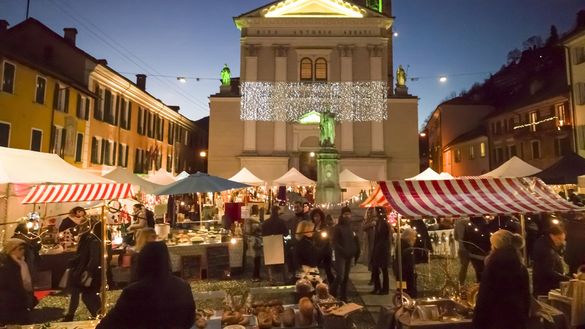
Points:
point(534, 42)
point(514, 56)
point(553, 37)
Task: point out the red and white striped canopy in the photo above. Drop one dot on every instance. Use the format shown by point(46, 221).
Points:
point(470, 196)
point(77, 192)
point(376, 199)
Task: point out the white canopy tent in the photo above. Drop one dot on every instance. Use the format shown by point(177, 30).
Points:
point(445, 175)
point(161, 177)
point(348, 179)
point(428, 174)
point(122, 175)
point(293, 177)
point(247, 177)
point(514, 167)
point(182, 175)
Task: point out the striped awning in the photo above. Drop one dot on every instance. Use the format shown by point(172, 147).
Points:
point(471, 196)
point(77, 192)
point(376, 199)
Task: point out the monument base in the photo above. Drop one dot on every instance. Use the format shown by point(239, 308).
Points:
point(328, 190)
point(401, 91)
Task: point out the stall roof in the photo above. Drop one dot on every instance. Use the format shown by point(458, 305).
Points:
point(293, 177)
point(247, 177)
point(77, 193)
point(471, 196)
point(161, 177)
point(564, 171)
point(348, 178)
point(514, 167)
point(122, 175)
point(427, 174)
point(29, 167)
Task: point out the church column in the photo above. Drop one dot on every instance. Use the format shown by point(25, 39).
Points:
point(346, 52)
point(377, 129)
point(280, 68)
point(250, 75)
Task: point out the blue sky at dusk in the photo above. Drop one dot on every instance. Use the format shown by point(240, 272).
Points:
point(465, 40)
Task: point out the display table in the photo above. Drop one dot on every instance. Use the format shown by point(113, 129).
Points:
point(55, 264)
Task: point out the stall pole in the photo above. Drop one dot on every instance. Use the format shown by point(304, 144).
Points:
point(200, 206)
point(104, 261)
point(399, 255)
point(523, 233)
point(7, 200)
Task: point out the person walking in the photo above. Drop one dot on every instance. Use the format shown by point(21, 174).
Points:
point(346, 248)
point(275, 225)
point(16, 290)
point(504, 297)
point(547, 267)
point(85, 275)
point(158, 299)
point(381, 254)
point(462, 253)
point(476, 240)
point(322, 241)
point(407, 242)
point(369, 229)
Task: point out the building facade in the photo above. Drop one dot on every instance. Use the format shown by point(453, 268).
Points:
point(56, 98)
point(574, 44)
point(467, 155)
point(313, 41)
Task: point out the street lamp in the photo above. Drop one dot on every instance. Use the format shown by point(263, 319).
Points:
point(203, 154)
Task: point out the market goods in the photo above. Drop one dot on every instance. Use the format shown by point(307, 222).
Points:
point(306, 310)
point(265, 320)
point(231, 317)
point(322, 291)
point(201, 323)
point(288, 317)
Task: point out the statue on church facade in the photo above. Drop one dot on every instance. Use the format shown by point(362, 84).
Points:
point(226, 76)
point(327, 129)
point(400, 77)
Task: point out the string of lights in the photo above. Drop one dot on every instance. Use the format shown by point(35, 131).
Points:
point(535, 123)
point(288, 101)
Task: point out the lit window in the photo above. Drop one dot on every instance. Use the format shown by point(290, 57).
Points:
point(482, 150)
point(457, 155)
point(471, 152)
point(560, 112)
point(306, 69)
point(321, 69)
point(533, 117)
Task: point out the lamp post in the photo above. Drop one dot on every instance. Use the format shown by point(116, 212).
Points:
point(203, 159)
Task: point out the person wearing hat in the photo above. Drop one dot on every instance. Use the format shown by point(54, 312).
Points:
point(503, 300)
point(346, 248)
point(15, 284)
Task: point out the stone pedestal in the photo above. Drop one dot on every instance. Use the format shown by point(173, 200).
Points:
point(223, 89)
point(328, 190)
point(401, 91)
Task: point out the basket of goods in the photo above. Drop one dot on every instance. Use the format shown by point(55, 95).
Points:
point(322, 294)
point(306, 312)
point(303, 288)
point(269, 313)
point(236, 311)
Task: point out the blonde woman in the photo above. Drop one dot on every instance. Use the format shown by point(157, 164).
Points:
point(144, 236)
point(306, 252)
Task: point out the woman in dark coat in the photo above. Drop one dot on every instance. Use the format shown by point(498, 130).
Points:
point(15, 298)
point(381, 254)
point(157, 300)
point(503, 300)
point(407, 243)
point(322, 241)
point(85, 275)
point(306, 252)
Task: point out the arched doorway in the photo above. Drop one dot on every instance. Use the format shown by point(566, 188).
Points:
point(308, 157)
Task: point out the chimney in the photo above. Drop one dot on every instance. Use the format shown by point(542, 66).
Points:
point(141, 81)
point(69, 34)
point(103, 62)
point(175, 108)
point(3, 25)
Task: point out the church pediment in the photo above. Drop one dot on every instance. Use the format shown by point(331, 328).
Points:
point(314, 8)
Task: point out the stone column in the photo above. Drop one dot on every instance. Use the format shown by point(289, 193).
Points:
point(377, 130)
point(346, 60)
point(250, 75)
point(280, 69)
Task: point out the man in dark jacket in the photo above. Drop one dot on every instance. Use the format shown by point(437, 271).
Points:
point(292, 223)
point(275, 225)
point(407, 257)
point(346, 248)
point(157, 300)
point(547, 271)
point(14, 297)
point(476, 239)
point(381, 254)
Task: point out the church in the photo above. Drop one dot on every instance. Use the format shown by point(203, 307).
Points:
point(300, 59)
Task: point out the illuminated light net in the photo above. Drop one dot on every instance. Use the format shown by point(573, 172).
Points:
point(289, 101)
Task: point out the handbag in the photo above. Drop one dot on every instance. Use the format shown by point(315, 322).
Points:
point(63, 283)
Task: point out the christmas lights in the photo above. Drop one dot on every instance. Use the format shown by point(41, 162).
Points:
point(289, 101)
point(535, 123)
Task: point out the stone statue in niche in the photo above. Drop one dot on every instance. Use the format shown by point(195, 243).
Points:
point(327, 129)
point(400, 77)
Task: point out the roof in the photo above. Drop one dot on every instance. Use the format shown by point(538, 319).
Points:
point(259, 9)
point(514, 167)
point(465, 137)
point(564, 171)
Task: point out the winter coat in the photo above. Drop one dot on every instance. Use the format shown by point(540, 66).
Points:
point(381, 251)
point(307, 253)
point(157, 300)
point(476, 238)
point(408, 262)
point(274, 226)
point(345, 242)
point(14, 299)
point(87, 258)
point(323, 243)
point(547, 268)
point(504, 298)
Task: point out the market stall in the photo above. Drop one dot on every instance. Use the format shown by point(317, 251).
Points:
point(514, 167)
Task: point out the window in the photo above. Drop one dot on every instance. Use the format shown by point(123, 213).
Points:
point(170, 133)
point(78, 147)
point(125, 114)
point(138, 158)
point(482, 149)
point(109, 151)
point(96, 150)
point(457, 155)
point(471, 152)
point(140, 125)
point(511, 151)
point(579, 55)
point(161, 128)
point(123, 155)
point(580, 92)
point(560, 113)
point(40, 90)
point(109, 108)
point(61, 98)
point(499, 155)
point(306, 69)
point(149, 124)
point(58, 138)
point(8, 74)
point(535, 146)
point(511, 124)
point(4, 134)
point(36, 140)
point(533, 118)
point(321, 69)
point(562, 146)
point(82, 109)
point(169, 162)
point(98, 109)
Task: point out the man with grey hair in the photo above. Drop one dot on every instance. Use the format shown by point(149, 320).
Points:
point(407, 241)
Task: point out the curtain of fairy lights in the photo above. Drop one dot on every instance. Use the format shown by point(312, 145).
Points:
point(288, 101)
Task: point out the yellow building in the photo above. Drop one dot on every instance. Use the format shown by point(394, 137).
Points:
point(574, 44)
point(56, 98)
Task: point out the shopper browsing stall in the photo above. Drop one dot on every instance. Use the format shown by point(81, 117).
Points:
point(407, 241)
point(346, 250)
point(381, 254)
point(322, 241)
point(306, 252)
point(547, 269)
point(16, 290)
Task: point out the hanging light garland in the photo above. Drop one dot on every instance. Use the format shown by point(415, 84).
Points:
point(288, 101)
point(535, 123)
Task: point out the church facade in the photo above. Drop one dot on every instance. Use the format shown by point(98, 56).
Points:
point(290, 44)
